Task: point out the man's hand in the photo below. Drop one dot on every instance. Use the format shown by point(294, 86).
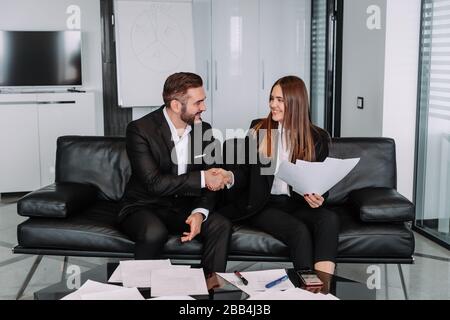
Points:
point(226, 175)
point(219, 178)
point(195, 222)
point(314, 200)
point(214, 179)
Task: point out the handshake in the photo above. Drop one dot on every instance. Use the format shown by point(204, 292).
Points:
point(216, 178)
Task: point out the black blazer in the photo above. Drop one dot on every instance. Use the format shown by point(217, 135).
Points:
point(154, 180)
point(251, 190)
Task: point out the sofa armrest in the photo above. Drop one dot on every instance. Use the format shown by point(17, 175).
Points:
point(381, 205)
point(57, 200)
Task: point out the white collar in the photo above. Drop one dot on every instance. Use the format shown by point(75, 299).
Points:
point(282, 134)
point(173, 130)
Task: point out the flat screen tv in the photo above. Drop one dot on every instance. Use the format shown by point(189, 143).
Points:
point(40, 58)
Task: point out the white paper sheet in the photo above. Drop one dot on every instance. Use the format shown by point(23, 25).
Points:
point(91, 287)
point(291, 294)
point(257, 280)
point(122, 294)
point(177, 282)
point(315, 177)
point(116, 277)
point(172, 298)
point(137, 273)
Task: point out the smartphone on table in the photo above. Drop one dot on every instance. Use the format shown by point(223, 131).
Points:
point(309, 278)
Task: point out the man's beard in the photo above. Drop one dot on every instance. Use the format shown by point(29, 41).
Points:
point(188, 118)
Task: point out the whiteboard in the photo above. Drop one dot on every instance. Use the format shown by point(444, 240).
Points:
point(153, 40)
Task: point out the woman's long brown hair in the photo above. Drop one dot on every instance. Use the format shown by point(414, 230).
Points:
point(296, 122)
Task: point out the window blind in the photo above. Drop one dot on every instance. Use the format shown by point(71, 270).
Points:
point(435, 49)
point(318, 60)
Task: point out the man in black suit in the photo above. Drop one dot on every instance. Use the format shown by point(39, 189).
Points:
point(172, 177)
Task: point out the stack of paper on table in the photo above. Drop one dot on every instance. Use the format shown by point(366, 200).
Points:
point(92, 290)
point(178, 282)
point(137, 273)
point(315, 177)
point(292, 294)
point(164, 278)
point(257, 280)
point(172, 298)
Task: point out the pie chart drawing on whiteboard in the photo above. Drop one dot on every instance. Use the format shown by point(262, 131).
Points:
point(158, 42)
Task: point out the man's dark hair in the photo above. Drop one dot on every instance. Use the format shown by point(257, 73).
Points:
point(177, 85)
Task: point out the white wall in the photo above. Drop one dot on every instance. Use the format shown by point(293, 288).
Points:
point(238, 47)
point(362, 70)
point(36, 15)
point(400, 85)
point(382, 66)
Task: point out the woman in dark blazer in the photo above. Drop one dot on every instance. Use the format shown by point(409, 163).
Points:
point(268, 203)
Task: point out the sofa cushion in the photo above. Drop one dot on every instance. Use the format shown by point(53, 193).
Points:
point(245, 241)
point(58, 200)
point(376, 169)
point(358, 239)
point(96, 230)
point(248, 241)
point(381, 205)
point(92, 230)
point(98, 161)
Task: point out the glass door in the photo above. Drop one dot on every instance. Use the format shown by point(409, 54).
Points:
point(432, 194)
point(326, 64)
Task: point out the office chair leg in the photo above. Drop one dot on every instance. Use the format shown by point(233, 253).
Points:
point(28, 277)
point(64, 268)
point(402, 278)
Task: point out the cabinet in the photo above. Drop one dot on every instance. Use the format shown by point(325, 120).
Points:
point(284, 44)
point(19, 145)
point(242, 48)
point(29, 127)
point(235, 52)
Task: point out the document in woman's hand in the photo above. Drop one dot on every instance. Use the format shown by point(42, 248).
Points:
point(315, 177)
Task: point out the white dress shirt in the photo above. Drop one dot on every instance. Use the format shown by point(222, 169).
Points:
point(280, 187)
point(182, 150)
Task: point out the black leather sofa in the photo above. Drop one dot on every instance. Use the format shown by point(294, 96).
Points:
point(76, 216)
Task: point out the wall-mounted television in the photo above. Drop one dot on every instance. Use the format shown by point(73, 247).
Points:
point(40, 58)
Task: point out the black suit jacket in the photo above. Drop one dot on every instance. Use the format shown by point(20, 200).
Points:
point(251, 190)
point(154, 180)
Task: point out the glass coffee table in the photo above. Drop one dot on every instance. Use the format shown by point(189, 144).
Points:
point(219, 289)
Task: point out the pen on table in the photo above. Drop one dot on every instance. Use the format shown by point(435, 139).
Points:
point(239, 275)
point(277, 281)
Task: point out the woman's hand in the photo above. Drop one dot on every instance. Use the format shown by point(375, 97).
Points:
point(314, 200)
point(222, 176)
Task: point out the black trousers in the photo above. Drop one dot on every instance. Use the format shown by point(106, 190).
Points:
point(310, 234)
point(150, 228)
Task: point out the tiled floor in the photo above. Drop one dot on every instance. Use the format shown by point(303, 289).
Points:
point(427, 278)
